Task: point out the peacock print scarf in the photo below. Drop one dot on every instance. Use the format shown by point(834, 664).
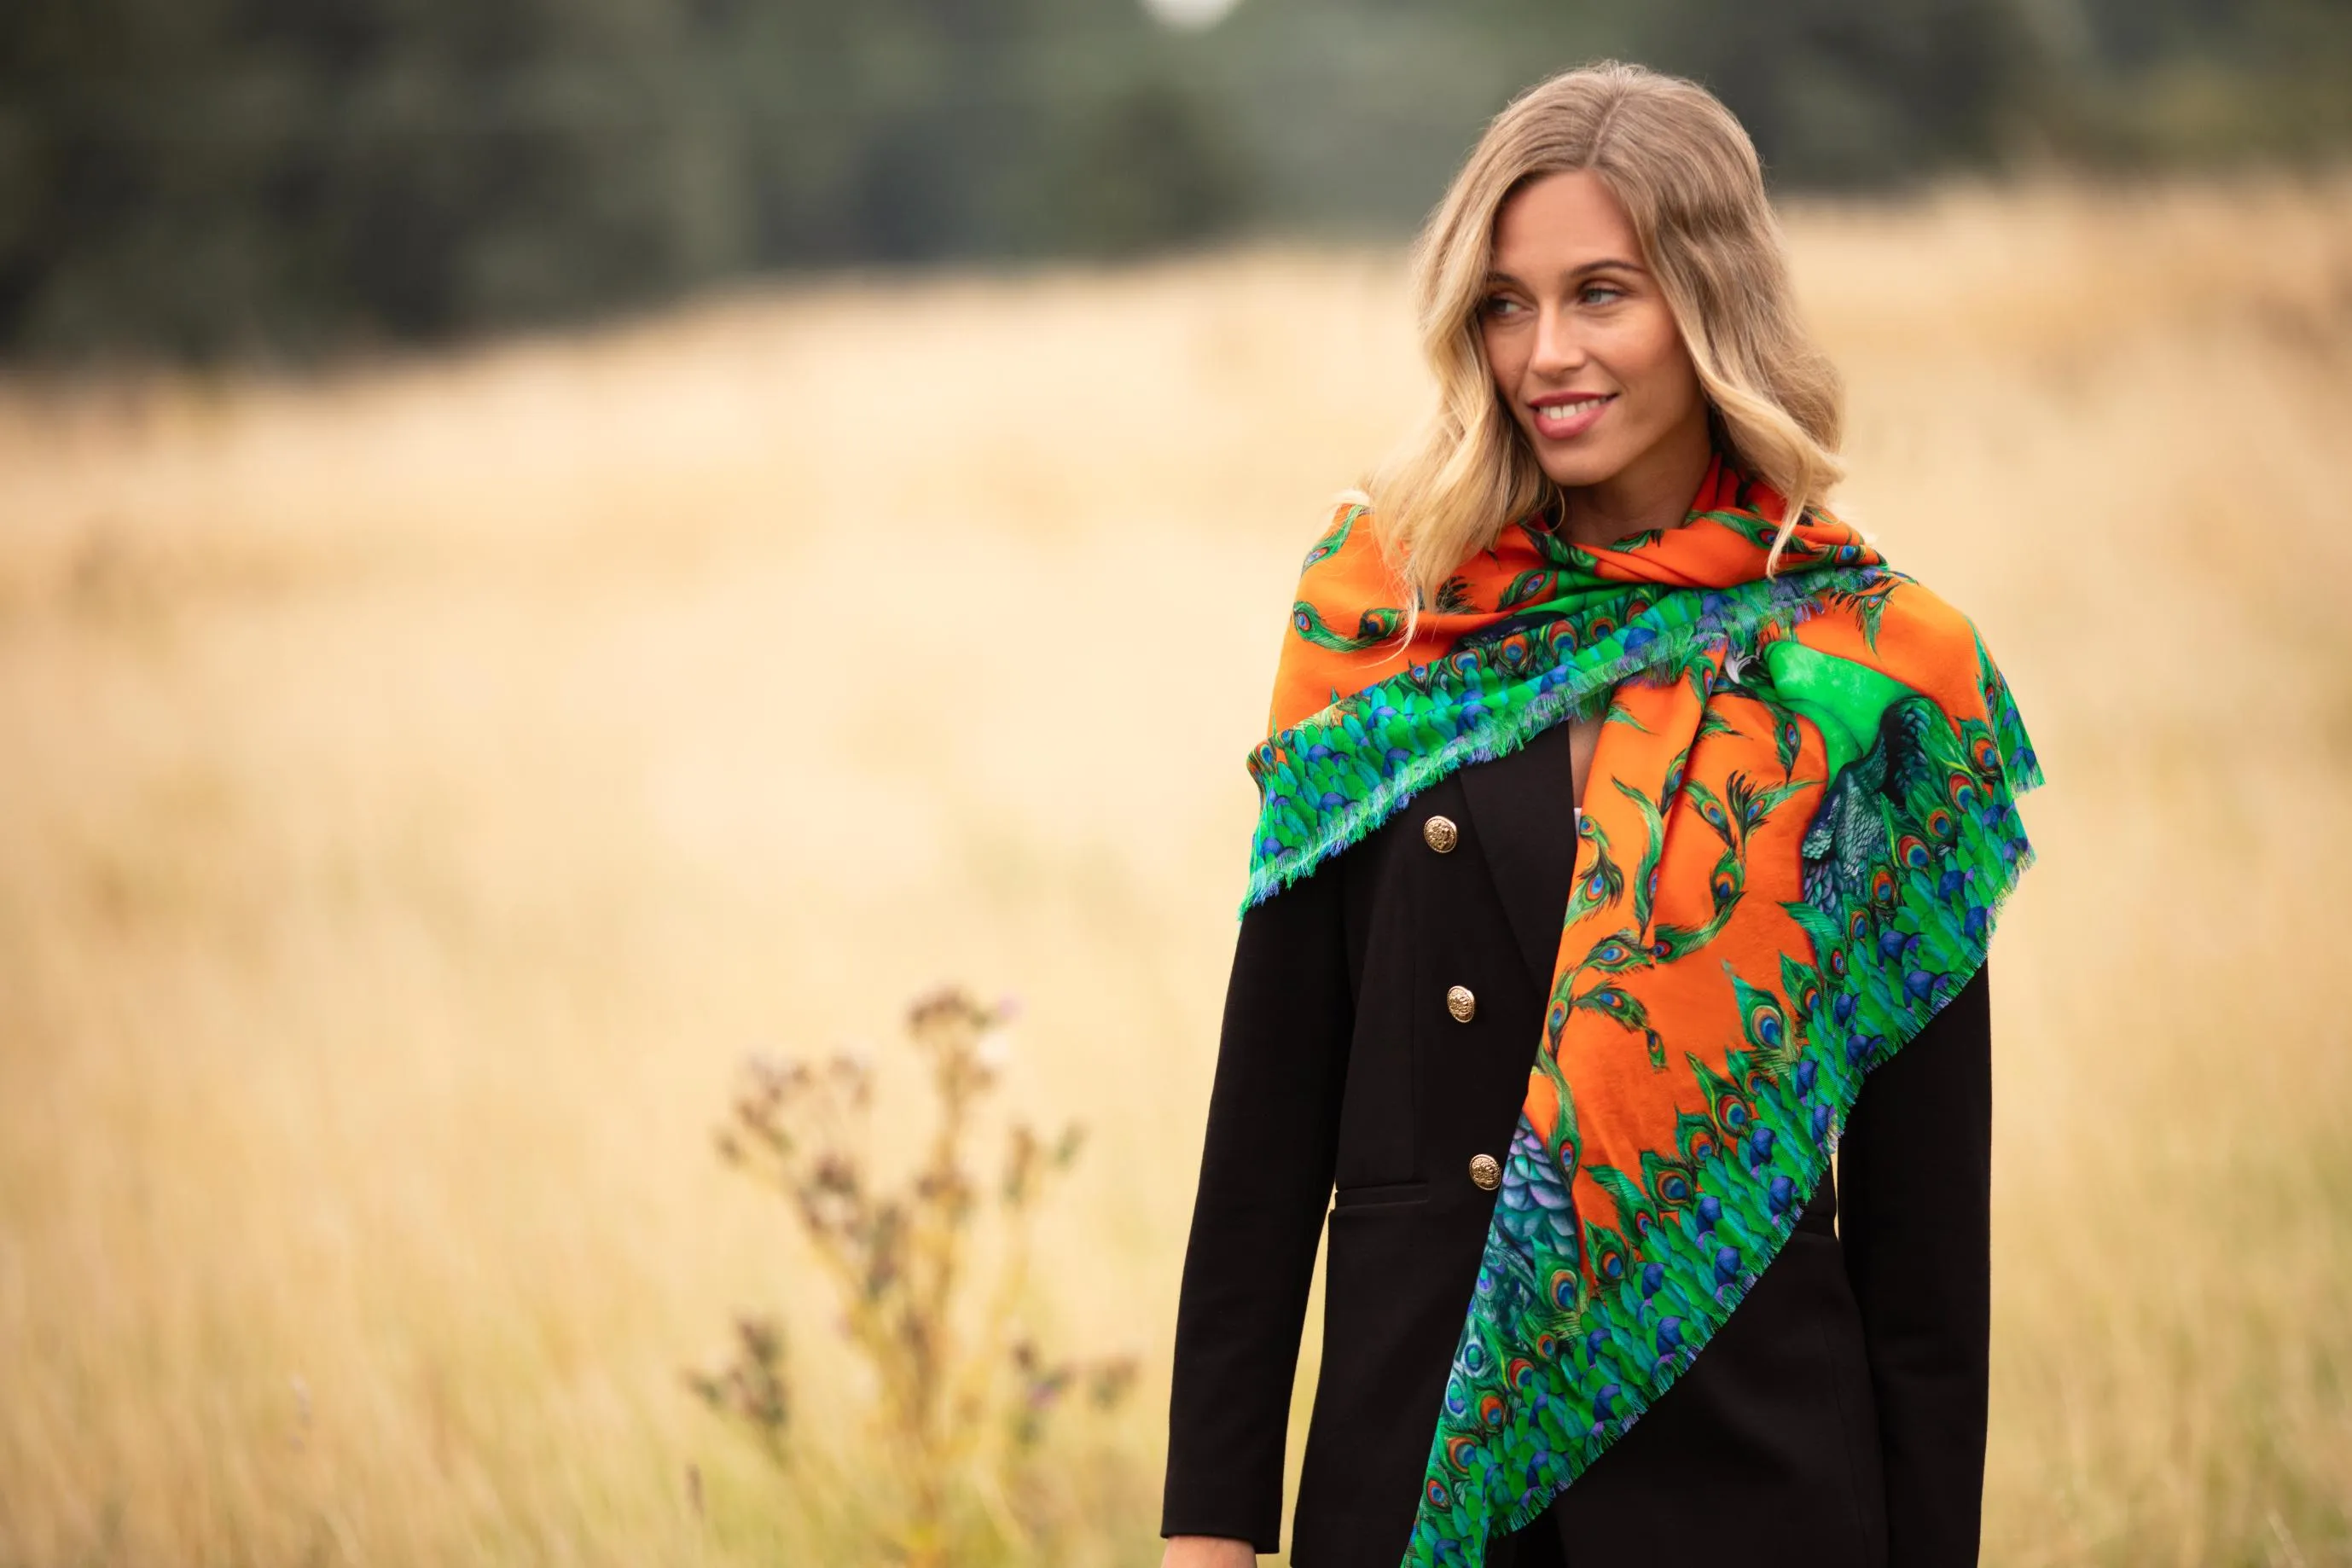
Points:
point(1799, 825)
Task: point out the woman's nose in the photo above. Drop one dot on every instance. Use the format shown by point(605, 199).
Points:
point(1557, 348)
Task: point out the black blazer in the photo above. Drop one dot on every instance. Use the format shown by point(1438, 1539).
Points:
point(1837, 1417)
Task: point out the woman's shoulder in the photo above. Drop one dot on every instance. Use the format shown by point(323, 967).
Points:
point(1345, 531)
point(1924, 619)
point(1909, 631)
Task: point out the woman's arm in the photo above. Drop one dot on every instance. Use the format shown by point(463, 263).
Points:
point(1266, 1183)
point(1915, 1215)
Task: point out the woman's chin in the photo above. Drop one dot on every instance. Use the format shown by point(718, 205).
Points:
point(1617, 457)
point(1573, 470)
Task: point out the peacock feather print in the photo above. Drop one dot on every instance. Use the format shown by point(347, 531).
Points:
point(1372, 628)
point(1329, 543)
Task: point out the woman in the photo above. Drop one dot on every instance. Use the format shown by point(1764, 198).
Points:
point(1629, 832)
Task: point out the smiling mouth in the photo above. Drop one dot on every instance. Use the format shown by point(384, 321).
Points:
point(1567, 421)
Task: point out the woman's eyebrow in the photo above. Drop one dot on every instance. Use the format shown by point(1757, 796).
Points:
point(1606, 264)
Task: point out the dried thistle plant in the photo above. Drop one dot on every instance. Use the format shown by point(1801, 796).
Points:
point(967, 1396)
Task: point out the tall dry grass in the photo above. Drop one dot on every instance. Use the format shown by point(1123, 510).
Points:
point(423, 786)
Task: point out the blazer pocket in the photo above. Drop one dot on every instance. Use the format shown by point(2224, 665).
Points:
point(1386, 1193)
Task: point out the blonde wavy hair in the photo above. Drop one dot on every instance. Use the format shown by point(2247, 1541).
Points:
point(1689, 179)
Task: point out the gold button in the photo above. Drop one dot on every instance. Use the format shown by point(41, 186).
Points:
point(1440, 833)
point(1461, 1004)
point(1486, 1173)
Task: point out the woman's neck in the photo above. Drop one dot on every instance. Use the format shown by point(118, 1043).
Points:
point(1654, 490)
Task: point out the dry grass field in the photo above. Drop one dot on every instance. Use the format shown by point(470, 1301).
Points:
point(423, 786)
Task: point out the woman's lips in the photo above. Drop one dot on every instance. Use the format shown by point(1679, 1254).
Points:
point(1563, 420)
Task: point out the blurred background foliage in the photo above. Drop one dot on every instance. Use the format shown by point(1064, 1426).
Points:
point(203, 179)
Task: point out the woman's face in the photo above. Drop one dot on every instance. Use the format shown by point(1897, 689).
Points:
point(1584, 351)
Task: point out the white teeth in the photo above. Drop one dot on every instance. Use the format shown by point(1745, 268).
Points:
point(1571, 410)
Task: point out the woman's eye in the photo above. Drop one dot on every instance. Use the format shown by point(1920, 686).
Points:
point(1600, 293)
point(1500, 305)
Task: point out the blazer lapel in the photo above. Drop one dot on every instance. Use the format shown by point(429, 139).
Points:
point(1524, 805)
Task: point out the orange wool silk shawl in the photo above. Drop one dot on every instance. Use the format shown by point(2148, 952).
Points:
point(1799, 826)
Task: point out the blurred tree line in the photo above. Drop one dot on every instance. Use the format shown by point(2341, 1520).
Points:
point(200, 178)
